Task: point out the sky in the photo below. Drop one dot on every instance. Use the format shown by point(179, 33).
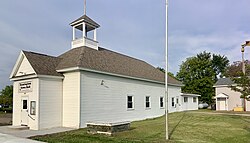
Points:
point(132, 27)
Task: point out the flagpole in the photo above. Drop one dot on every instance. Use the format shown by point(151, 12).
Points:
point(166, 74)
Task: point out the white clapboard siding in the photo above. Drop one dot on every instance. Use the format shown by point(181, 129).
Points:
point(50, 101)
point(16, 117)
point(17, 104)
point(108, 102)
point(189, 105)
point(24, 68)
point(173, 92)
point(71, 99)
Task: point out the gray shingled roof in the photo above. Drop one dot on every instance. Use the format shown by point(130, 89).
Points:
point(100, 60)
point(224, 81)
point(86, 19)
point(43, 64)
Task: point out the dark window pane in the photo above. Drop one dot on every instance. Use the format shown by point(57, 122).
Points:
point(130, 105)
point(130, 102)
point(147, 104)
point(161, 101)
point(194, 99)
point(130, 98)
point(172, 102)
point(25, 106)
point(185, 99)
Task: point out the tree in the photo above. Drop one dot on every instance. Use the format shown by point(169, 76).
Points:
point(199, 74)
point(242, 86)
point(169, 73)
point(6, 95)
point(161, 69)
point(220, 65)
point(235, 69)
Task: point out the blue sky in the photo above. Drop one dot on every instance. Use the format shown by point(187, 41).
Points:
point(132, 27)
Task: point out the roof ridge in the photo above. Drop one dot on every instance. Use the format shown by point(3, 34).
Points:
point(81, 56)
point(122, 54)
point(40, 54)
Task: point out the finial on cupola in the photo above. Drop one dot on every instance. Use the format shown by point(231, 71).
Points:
point(84, 8)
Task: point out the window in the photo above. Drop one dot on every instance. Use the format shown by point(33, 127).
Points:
point(32, 107)
point(185, 99)
point(147, 101)
point(25, 104)
point(173, 102)
point(130, 103)
point(194, 99)
point(161, 102)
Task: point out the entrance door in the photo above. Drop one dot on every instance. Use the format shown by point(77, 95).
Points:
point(177, 104)
point(222, 103)
point(24, 111)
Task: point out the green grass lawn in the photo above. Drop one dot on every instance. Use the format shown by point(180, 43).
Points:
point(184, 127)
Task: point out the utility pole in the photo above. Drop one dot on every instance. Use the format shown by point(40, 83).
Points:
point(166, 74)
point(243, 61)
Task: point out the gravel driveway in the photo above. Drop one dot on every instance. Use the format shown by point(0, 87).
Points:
point(5, 119)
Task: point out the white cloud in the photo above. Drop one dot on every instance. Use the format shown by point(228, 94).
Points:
point(183, 45)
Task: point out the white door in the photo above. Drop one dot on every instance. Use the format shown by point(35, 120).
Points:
point(222, 103)
point(24, 111)
point(177, 104)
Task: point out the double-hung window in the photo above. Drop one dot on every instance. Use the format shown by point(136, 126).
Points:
point(147, 101)
point(194, 99)
point(173, 104)
point(130, 102)
point(185, 99)
point(161, 102)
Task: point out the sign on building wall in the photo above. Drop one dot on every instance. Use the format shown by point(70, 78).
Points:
point(25, 86)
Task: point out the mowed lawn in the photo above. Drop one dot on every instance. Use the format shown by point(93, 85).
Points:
point(190, 127)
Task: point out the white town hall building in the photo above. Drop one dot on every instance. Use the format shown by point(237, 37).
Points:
point(87, 84)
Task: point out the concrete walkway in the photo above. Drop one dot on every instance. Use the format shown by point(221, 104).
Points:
point(4, 138)
point(30, 133)
point(10, 135)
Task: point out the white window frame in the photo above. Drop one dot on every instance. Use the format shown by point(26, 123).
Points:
point(149, 100)
point(172, 101)
point(194, 101)
point(133, 102)
point(161, 97)
point(184, 99)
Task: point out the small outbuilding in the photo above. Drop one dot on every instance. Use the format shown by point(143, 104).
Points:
point(227, 99)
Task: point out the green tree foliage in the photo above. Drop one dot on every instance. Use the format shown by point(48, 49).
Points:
point(169, 73)
point(235, 70)
point(199, 74)
point(6, 96)
point(242, 86)
point(161, 69)
point(220, 65)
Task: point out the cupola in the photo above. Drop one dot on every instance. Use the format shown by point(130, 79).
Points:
point(88, 32)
